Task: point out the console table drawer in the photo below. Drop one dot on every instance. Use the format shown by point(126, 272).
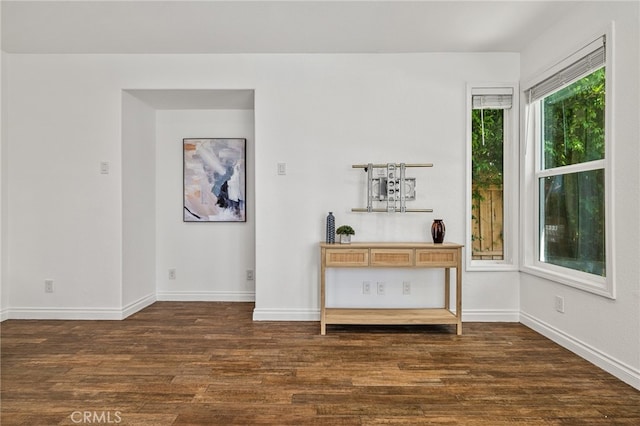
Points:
point(348, 257)
point(437, 258)
point(391, 257)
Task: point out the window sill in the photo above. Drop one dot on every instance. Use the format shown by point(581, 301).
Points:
point(488, 266)
point(586, 282)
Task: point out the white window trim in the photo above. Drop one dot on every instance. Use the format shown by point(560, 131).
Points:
point(603, 286)
point(510, 184)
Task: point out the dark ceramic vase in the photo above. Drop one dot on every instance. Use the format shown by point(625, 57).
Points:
point(437, 231)
point(331, 228)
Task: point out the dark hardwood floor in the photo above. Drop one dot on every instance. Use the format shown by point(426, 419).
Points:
point(193, 363)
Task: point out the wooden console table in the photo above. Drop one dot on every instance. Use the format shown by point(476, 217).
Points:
point(392, 255)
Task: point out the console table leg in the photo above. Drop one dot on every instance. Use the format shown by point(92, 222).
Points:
point(323, 267)
point(447, 288)
point(459, 296)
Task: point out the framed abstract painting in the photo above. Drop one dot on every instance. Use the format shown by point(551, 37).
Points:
point(214, 180)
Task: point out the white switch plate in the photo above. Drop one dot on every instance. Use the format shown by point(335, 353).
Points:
point(282, 169)
point(104, 167)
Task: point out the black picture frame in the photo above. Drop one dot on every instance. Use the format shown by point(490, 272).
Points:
point(214, 179)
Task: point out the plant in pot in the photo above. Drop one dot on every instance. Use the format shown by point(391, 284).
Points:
point(345, 232)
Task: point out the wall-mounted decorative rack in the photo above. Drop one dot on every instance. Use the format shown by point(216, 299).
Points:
point(393, 187)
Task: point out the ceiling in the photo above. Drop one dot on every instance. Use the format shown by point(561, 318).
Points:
point(293, 26)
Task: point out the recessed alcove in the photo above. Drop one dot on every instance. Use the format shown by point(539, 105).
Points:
point(210, 259)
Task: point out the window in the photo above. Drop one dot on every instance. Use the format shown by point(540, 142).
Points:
point(492, 175)
point(569, 175)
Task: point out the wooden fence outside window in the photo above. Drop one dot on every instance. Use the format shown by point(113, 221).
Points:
point(487, 224)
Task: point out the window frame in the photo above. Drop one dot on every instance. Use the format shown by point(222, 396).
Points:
point(510, 226)
point(532, 171)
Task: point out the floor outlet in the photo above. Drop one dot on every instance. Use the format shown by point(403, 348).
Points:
point(48, 286)
point(366, 287)
point(381, 289)
point(406, 288)
point(172, 273)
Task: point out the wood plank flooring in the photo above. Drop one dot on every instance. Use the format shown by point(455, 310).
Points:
point(197, 363)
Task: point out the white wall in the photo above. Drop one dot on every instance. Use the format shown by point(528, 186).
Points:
point(66, 220)
point(322, 114)
point(317, 113)
point(605, 331)
point(211, 259)
point(139, 208)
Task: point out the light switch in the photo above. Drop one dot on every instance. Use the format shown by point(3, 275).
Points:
point(282, 168)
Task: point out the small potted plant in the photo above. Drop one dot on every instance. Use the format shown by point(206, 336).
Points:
point(345, 232)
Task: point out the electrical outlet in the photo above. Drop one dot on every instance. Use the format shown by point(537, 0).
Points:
point(48, 286)
point(366, 287)
point(250, 276)
point(381, 289)
point(406, 288)
point(560, 304)
point(172, 273)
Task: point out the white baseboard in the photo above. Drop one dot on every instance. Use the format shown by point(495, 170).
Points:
point(284, 314)
point(119, 314)
point(79, 313)
point(66, 313)
point(206, 296)
point(490, 315)
point(619, 369)
point(138, 305)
